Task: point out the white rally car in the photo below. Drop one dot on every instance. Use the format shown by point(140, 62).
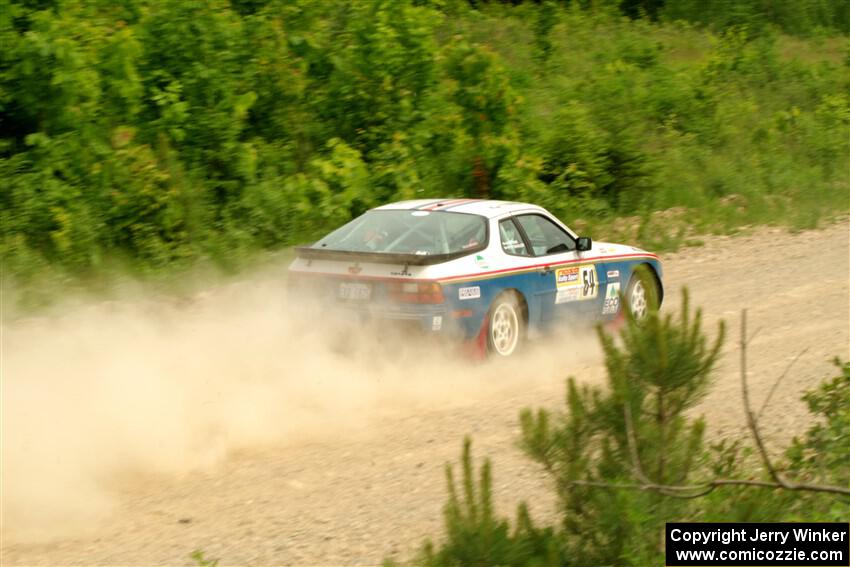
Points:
point(487, 272)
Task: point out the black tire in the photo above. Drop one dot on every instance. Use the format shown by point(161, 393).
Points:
point(641, 296)
point(506, 326)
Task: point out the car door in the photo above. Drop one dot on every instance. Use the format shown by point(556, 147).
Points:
point(567, 287)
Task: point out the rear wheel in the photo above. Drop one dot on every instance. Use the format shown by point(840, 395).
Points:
point(506, 327)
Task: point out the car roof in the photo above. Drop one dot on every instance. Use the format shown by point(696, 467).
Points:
point(485, 207)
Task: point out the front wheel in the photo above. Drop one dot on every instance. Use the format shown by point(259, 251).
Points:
point(642, 294)
point(506, 326)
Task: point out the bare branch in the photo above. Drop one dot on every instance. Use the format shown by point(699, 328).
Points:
point(802, 487)
point(631, 441)
point(778, 380)
point(697, 490)
point(751, 419)
point(753, 336)
point(753, 425)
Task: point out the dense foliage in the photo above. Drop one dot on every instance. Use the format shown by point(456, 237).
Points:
point(610, 446)
point(163, 132)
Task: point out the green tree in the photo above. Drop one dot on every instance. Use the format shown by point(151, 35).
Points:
point(627, 458)
point(636, 429)
point(476, 536)
point(478, 86)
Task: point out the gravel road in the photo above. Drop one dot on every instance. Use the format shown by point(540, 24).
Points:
point(372, 484)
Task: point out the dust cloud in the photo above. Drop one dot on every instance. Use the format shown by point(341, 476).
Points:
point(145, 385)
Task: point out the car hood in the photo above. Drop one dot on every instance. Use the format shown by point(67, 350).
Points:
point(605, 249)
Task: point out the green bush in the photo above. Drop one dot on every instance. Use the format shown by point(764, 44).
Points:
point(165, 133)
point(823, 453)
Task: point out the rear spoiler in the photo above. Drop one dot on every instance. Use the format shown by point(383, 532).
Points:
point(310, 253)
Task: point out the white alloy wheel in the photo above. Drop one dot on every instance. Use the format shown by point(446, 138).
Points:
point(505, 328)
point(637, 300)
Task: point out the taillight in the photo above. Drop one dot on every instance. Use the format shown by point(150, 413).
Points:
point(415, 292)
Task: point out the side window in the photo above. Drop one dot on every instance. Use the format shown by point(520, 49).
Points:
point(512, 242)
point(545, 236)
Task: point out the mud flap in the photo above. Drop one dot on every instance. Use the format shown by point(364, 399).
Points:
point(617, 323)
point(476, 348)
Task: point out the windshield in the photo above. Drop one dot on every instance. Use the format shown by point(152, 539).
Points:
point(409, 232)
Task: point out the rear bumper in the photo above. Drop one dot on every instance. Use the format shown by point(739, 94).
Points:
point(429, 319)
point(380, 311)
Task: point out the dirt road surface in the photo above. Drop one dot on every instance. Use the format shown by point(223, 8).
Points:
point(358, 474)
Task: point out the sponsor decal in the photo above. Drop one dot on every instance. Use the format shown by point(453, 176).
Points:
point(404, 272)
point(482, 263)
point(355, 269)
point(612, 299)
point(576, 283)
point(513, 246)
point(437, 323)
point(469, 292)
point(613, 274)
point(566, 276)
point(566, 294)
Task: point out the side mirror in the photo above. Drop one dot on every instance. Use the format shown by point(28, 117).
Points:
point(584, 243)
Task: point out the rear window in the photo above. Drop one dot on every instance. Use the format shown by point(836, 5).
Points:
point(409, 232)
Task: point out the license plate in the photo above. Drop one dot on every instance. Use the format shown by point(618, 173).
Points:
point(355, 291)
